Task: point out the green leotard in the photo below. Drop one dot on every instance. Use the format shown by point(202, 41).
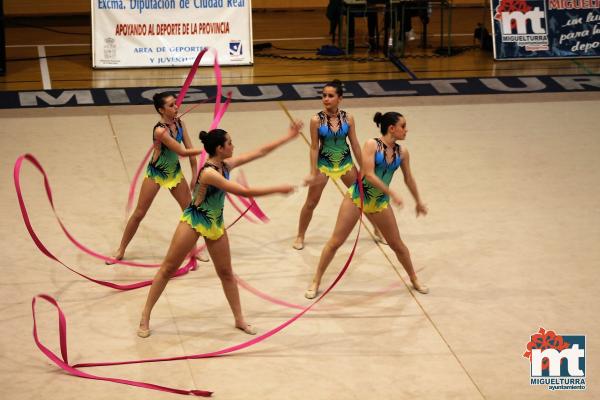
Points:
point(375, 199)
point(205, 212)
point(334, 153)
point(164, 169)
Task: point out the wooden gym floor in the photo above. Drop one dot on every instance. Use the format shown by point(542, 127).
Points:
point(510, 244)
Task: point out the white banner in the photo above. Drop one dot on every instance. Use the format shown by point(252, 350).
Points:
point(167, 33)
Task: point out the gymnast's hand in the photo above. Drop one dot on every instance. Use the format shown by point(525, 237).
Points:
point(396, 199)
point(421, 209)
point(295, 128)
point(310, 180)
point(285, 189)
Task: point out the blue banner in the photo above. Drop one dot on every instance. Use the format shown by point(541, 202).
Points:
point(525, 29)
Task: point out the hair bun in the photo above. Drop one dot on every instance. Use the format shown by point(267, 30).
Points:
point(203, 136)
point(213, 139)
point(377, 118)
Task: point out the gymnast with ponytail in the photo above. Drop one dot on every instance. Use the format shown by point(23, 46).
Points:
point(163, 170)
point(330, 154)
point(381, 157)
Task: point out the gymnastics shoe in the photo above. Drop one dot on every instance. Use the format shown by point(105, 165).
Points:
point(310, 294)
point(298, 244)
point(420, 287)
point(113, 261)
point(249, 329)
point(143, 333)
point(202, 257)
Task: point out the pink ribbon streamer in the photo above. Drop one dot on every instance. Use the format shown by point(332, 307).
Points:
point(17, 181)
point(63, 362)
point(73, 370)
point(254, 208)
point(190, 77)
point(191, 264)
point(218, 113)
point(238, 209)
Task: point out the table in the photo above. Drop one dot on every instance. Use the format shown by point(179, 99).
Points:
point(394, 8)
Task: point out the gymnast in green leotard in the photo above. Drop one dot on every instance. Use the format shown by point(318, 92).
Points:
point(375, 200)
point(381, 158)
point(330, 156)
point(205, 213)
point(164, 169)
point(204, 217)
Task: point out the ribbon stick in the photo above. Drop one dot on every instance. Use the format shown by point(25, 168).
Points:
point(133, 184)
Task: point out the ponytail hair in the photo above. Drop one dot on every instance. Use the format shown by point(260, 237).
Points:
point(384, 121)
point(337, 85)
point(213, 139)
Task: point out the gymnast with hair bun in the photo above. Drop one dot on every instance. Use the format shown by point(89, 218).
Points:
point(204, 217)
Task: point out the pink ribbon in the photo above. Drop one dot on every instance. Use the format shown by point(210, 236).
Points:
point(190, 77)
point(254, 208)
point(63, 362)
point(218, 113)
point(73, 370)
point(16, 176)
point(191, 264)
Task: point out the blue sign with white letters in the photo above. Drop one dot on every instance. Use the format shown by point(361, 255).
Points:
point(526, 29)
